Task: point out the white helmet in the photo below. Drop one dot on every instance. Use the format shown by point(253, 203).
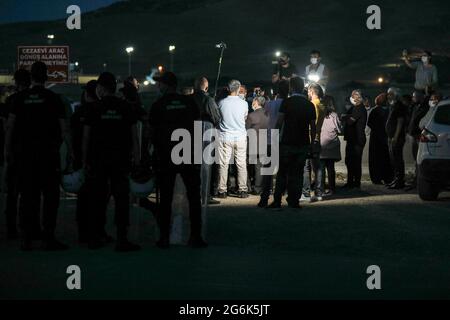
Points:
point(142, 189)
point(72, 182)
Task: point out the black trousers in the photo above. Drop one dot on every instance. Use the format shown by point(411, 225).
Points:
point(353, 161)
point(191, 179)
point(110, 178)
point(327, 168)
point(39, 175)
point(415, 152)
point(397, 161)
point(267, 180)
point(290, 174)
point(12, 197)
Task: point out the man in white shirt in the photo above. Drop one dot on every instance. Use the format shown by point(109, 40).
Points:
point(233, 140)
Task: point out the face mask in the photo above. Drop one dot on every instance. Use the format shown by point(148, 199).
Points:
point(242, 96)
point(432, 104)
point(314, 60)
point(353, 101)
point(425, 59)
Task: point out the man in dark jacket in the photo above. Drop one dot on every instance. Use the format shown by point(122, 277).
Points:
point(419, 110)
point(110, 149)
point(37, 123)
point(396, 132)
point(210, 116)
point(169, 113)
point(257, 120)
point(355, 125)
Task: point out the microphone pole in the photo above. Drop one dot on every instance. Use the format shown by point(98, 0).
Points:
point(222, 46)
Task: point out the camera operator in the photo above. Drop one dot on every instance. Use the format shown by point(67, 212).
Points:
point(284, 70)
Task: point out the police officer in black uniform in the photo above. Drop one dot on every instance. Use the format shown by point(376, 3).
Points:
point(110, 149)
point(22, 79)
point(37, 122)
point(88, 101)
point(169, 113)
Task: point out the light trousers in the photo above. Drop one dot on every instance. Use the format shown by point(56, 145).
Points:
point(228, 150)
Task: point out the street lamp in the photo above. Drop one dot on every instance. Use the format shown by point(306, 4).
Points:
point(172, 55)
point(76, 64)
point(129, 51)
point(50, 38)
point(278, 54)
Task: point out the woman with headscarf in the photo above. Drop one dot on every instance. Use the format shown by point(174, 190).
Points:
point(379, 162)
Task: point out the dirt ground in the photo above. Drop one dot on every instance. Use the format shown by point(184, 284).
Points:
point(320, 252)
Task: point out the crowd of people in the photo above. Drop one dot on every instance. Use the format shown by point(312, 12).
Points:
point(110, 137)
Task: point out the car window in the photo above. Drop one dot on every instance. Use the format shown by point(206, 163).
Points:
point(443, 115)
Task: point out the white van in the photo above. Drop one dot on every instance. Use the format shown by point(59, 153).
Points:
point(434, 154)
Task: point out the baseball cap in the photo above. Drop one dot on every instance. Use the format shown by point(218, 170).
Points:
point(168, 78)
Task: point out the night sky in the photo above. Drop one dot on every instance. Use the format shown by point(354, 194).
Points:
point(38, 10)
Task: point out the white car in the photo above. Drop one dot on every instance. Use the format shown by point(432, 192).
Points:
point(433, 159)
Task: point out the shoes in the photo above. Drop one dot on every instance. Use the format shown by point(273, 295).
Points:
point(163, 243)
point(25, 245)
point(106, 238)
point(305, 198)
point(126, 246)
point(197, 243)
point(12, 234)
point(243, 194)
point(397, 186)
point(274, 205)
point(329, 193)
point(95, 244)
point(263, 203)
point(222, 195)
point(319, 198)
point(390, 184)
point(54, 245)
point(213, 202)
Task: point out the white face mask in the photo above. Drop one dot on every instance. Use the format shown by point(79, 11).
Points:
point(242, 96)
point(314, 60)
point(425, 59)
point(432, 104)
point(352, 101)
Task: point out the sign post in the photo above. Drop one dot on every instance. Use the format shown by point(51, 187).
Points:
point(55, 57)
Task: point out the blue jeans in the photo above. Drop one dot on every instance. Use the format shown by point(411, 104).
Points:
point(312, 166)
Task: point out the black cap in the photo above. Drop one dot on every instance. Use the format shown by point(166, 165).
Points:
point(168, 78)
point(107, 80)
point(90, 88)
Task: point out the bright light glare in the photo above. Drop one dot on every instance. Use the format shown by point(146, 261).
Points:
point(146, 83)
point(278, 54)
point(380, 80)
point(314, 78)
point(129, 50)
point(172, 48)
point(51, 36)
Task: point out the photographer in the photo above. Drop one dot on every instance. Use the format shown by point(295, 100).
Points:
point(284, 70)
